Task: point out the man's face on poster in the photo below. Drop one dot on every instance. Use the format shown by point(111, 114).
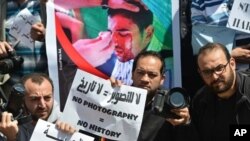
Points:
point(126, 37)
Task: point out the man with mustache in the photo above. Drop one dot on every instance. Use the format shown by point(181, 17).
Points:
point(225, 98)
point(39, 102)
point(148, 73)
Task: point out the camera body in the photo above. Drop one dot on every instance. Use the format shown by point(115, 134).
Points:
point(15, 104)
point(165, 101)
point(10, 63)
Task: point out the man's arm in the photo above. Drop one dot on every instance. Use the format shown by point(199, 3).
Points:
point(115, 4)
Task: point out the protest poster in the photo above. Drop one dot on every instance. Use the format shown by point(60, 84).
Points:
point(80, 37)
point(239, 18)
point(46, 131)
point(93, 105)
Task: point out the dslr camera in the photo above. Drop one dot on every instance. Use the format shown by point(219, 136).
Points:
point(10, 63)
point(15, 104)
point(165, 101)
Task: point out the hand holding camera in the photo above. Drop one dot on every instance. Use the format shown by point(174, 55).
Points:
point(5, 47)
point(8, 126)
point(9, 61)
point(15, 105)
point(172, 105)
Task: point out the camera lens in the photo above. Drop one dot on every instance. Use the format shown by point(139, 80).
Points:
point(6, 65)
point(177, 99)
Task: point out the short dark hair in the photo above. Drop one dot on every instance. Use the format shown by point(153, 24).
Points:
point(149, 53)
point(37, 78)
point(212, 46)
point(142, 19)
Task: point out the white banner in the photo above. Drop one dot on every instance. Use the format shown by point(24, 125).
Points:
point(46, 131)
point(239, 18)
point(94, 106)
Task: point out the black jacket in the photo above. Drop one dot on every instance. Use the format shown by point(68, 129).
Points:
point(156, 128)
point(203, 108)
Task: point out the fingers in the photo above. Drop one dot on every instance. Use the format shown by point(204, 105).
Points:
point(7, 121)
point(130, 7)
point(65, 127)
point(37, 31)
point(6, 118)
point(175, 122)
point(115, 82)
point(4, 49)
point(116, 4)
point(183, 114)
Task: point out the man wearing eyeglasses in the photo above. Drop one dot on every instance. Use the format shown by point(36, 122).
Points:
point(225, 98)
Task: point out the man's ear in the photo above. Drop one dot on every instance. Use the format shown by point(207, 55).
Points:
point(149, 31)
point(163, 77)
point(232, 63)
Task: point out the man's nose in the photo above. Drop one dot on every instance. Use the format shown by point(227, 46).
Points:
point(114, 38)
point(215, 76)
point(42, 103)
point(145, 78)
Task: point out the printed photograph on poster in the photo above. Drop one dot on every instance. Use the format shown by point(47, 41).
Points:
point(105, 40)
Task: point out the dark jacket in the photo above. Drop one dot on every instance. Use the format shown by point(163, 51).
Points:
point(203, 108)
point(156, 128)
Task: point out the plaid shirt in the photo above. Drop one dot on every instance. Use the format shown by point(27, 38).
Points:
point(35, 59)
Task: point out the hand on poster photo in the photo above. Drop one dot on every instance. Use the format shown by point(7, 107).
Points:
point(96, 51)
point(122, 4)
point(114, 4)
point(73, 24)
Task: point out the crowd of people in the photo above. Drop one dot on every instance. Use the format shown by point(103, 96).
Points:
point(220, 94)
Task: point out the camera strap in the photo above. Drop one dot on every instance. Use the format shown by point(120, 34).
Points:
point(4, 78)
point(3, 5)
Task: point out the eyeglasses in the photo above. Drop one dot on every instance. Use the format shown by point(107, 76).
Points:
point(217, 70)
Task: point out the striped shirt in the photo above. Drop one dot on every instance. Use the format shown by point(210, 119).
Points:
point(35, 59)
point(212, 12)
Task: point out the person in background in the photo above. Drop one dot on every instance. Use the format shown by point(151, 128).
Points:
point(224, 99)
point(40, 104)
point(34, 59)
point(214, 15)
point(28, 57)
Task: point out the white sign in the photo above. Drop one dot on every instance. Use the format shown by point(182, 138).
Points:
point(94, 106)
point(239, 18)
point(21, 26)
point(46, 131)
